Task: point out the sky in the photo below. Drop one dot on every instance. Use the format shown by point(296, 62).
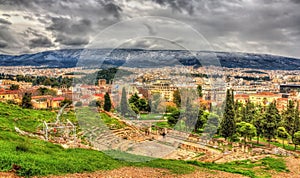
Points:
point(254, 26)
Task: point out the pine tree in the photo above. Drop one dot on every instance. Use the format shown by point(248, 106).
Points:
point(257, 122)
point(248, 112)
point(270, 122)
point(107, 102)
point(227, 129)
point(211, 125)
point(291, 120)
point(123, 103)
point(177, 98)
point(26, 101)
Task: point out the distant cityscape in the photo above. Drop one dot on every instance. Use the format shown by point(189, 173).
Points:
point(258, 86)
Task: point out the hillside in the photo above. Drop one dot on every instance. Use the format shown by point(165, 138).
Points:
point(148, 58)
point(27, 156)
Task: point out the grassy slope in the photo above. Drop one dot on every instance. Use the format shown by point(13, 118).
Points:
point(36, 157)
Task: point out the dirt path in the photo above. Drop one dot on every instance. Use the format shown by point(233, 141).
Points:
point(151, 172)
point(8, 175)
point(127, 172)
point(293, 164)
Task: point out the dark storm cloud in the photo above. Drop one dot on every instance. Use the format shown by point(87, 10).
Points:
point(3, 44)
point(113, 9)
point(70, 26)
point(6, 37)
point(40, 42)
point(16, 3)
point(6, 22)
point(178, 5)
point(71, 41)
point(262, 26)
point(27, 17)
point(295, 1)
point(70, 32)
point(32, 32)
point(6, 15)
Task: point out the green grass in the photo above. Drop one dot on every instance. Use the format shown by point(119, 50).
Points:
point(163, 124)
point(36, 157)
point(111, 122)
point(88, 117)
point(289, 147)
point(246, 167)
point(151, 116)
point(26, 119)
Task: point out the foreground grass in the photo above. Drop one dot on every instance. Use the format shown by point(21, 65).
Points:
point(32, 157)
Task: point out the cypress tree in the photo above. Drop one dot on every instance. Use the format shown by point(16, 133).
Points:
point(257, 122)
point(291, 120)
point(107, 102)
point(124, 104)
point(177, 98)
point(227, 129)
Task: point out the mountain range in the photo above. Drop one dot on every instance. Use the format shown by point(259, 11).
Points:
point(148, 58)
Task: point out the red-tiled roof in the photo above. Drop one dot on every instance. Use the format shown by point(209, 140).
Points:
point(101, 95)
point(266, 94)
point(58, 98)
point(241, 96)
point(9, 92)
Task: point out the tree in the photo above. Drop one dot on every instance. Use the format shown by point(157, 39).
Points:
point(257, 122)
point(177, 98)
point(138, 104)
point(199, 90)
point(246, 130)
point(189, 113)
point(99, 103)
point(296, 139)
point(14, 87)
point(123, 103)
point(211, 127)
point(65, 101)
point(202, 120)
point(46, 91)
point(239, 111)
point(173, 118)
point(107, 102)
point(283, 134)
point(26, 101)
point(227, 127)
point(78, 103)
point(134, 108)
point(134, 99)
point(270, 122)
point(291, 121)
point(155, 103)
point(248, 112)
point(143, 105)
